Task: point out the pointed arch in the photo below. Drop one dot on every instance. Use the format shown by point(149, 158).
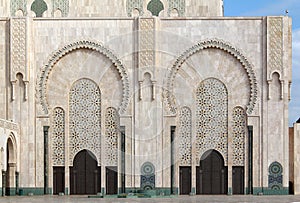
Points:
point(155, 7)
point(39, 7)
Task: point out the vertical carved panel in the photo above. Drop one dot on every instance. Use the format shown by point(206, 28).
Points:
point(212, 118)
point(18, 47)
point(58, 137)
point(238, 142)
point(185, 135)
point(16, 5)
point(275, 44)
point(62, 5)
point(134, 4)
point(111, 137)
point(85, 118)
point(179, 5)
point(147, 40)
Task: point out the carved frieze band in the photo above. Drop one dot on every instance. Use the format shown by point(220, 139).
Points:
point(275, 45)
point(134, 4)
point(179, 5)
point(16, 5)
point(146, 42)
point(62, 5)
point(83, 44)
point(9, 125)
point(218, 44)
point(18, 47)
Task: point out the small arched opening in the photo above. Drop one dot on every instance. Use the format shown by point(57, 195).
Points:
point(11, 168)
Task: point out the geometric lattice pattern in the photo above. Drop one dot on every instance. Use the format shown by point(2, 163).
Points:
point(147, 43)
point(58, 137)
point(62, 5)
point(134, 4)
point(155, 7)
point(111, 137)
point(18, 48)
point(275, 44)
point(39, 7)
point(185, 136)
point(212, 118)
point(85, 118)
point(238, 142)
point(179, 5)
point(275, 176)
point(16, 5)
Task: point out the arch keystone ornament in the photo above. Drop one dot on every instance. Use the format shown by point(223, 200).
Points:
point(207, 44)
point(82, 44)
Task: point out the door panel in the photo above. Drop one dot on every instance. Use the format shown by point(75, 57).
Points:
point(112, 180)
point(85, 177)
point(238, 180)
point(212, 174)
point(185, 180)
point(58, 180)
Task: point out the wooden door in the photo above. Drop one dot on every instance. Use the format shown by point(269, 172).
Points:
point(111, 180)
point(58, 180)
point(212, 174)
point(85, 175)
point(238, 180)
point(185, 180)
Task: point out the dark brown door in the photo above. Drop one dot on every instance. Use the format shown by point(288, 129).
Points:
point(85, 175)
point(238, 180)
point(112, 180)
point(58, 180)
point(185, 180)
point(212, 174)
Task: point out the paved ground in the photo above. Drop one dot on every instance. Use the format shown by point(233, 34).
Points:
point(181, 199)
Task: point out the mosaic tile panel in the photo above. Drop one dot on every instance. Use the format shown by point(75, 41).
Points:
point(275, 176)
point(147, 176)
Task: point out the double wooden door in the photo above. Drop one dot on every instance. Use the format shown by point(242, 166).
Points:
point(212, 174)
point(85, 175)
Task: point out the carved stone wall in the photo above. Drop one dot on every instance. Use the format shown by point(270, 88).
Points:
point(239, 132)
point(185, 136)
point(212, 118)
point(58, 137)
point(111, 137)
point(85, 118)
